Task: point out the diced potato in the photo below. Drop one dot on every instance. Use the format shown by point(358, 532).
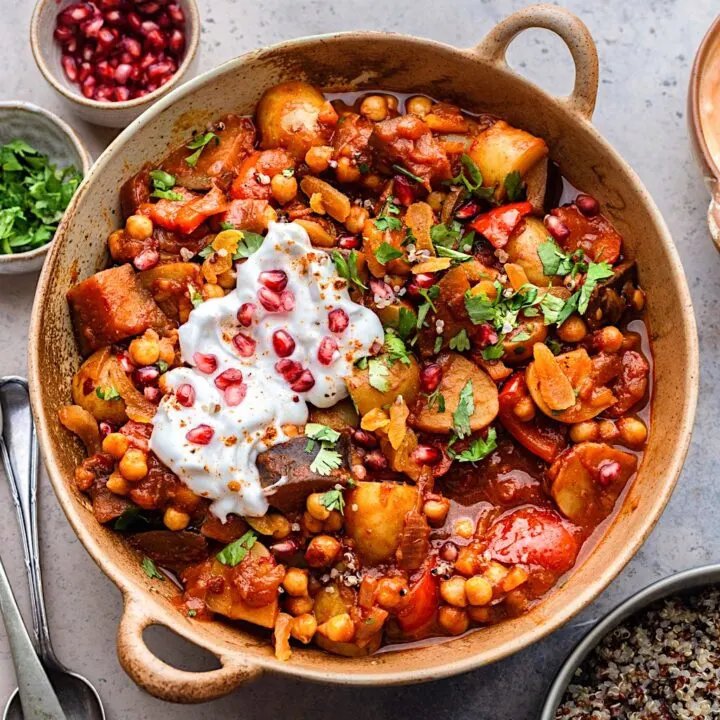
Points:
point(522, 250)
point(518, 351)
point(401, 379)
point(503, 149)
point(375, 516)
point(338, 417)
point(390, 314)
point(94, 373)
point(168, 285)
point(457, 371)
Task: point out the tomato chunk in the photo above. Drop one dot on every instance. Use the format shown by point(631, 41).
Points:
point(421, 604)
point(595, 235)
point(498, 224)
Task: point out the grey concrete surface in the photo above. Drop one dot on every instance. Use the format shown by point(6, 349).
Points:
point(646, 50)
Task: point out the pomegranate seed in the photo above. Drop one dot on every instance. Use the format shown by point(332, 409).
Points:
point(89, 385)
point(159, 70)
point(228, 377)
point(326, 351)
point(156, 39)
point(113, 17)
point(348, 242)
point(425, 280)
point(151, 87)
point(63, 34)
point(200, 435)
point(287, 300)
point(165, 79)
point(134, 21)
point(557, 228)
point(132, 46)
point(364, 438)
point(84, 71)
point(149, 8)
point(587, 205)
point(125, 363)
point(245, 314)
point(147, 258)
point(153, 394)
point(485, 335)
point(338, 320)
point(75, 14)
point(105, 429)
point(185, 395)
point(304, 382)
point(467, 211)
point(70, 68)
point(274, 279)
point(88, 52)
point(609, 472)
point(381, 290)
point(413, 289)
point(205, 363)
point(269, 299)
point(104, 71)
point(121, 93)
point(176, 14)
point(176, 42)
point(104, 93)
point(449, 551)
point(426, 455)
point(135, 74)
point(164, 21)
point(283, 343)
point(375, 460)
point(285, 549)
point(107, 37)
point(148, 26)
point(430, 377)
point(91, 28)
point(244, 344)
point(71, 45)
point(403, 190)
point(291, 370)
point(146, 375)
point(235, 394)
point(122, 73)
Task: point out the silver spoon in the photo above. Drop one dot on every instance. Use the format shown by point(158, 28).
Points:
point(78, 698)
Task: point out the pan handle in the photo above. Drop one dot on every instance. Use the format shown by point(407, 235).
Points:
point(571, 29)
point(164, 681)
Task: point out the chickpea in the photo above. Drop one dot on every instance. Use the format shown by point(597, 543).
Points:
point(315, 507)
point(435, 200)
point(573, 330)
point(339, 628)
point(436, 511)
point(479, 613)
point(145, 350)
point(322, 551)
point(609, 339)
point(478, 590)
point(607, 430)
point(392, 102)
point(279, 525)
point(227, 280)
point(584, 431)
point(133, 465)
point(464, 528)
point(311, 524)
point(116, 241)
point(390, 592)
point(296, 582)
point(356, 219)
point(452, 591)
point(514, 579)
point(118, 484)
point(373, 182)
point(638, 300)
point(495, 573)
point(303, 627)
point(175, 519)
point(299, 605)
point(468, 561)
point(525, 409)
point(452, 620)
point(167, 351)
point(632, 431)
point(374, 107)
point(115, 445)
point(284, 189)
point(346, 171)
point(334, 523)
point(419, 105)
point(212, 290)
point(139, 227)
point(84, 478)
point(318, 158)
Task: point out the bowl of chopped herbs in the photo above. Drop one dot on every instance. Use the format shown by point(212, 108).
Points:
point(42, 162)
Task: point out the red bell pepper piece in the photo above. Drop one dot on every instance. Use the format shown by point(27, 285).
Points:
point(421, 604)
point(498, 224)
point(194, 213)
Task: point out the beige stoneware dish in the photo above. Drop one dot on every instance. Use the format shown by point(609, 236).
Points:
point(475, 78)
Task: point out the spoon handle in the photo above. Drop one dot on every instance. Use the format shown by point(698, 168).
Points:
point(21, 460)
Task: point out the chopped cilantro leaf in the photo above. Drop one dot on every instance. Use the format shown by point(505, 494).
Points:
point(406, 323)
point(444, 236)
point(407, 173)
point(320, 432)
point(249, 243)
point(107, 393)
point(438, 344)
point(458, 257)
point(478, 449)
point(513, 186)
point(162, 366)
point(595, 273)
point(195, 297)
point(460, 342)
point(362, 363)
point(464, 411)
point(347, 268)
point(326, 460)
point(385, 222)
point(494, 352)
point(227, 226)
point(395, 348)
point(333, 500)
point(150, 569)
point(378, 375)
point(386, 252)
point(197, 144)
point(551, 307)
point(436, 398)
point(234, 553)
point(288, 172)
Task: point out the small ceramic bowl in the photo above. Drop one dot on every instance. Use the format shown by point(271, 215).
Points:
point(47, 55)
point(687, 581)
point(53, 137)
point(704, 119)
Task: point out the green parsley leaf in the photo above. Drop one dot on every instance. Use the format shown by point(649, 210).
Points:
point(395, 348)
point(430, 294)
point(551, 307)
point(480, 308)
point(191, 613)
point(570, 306)
point(386, 252)
point(378, 375)
point(457, 257)
point(333, 500)
point(234, 553)
point(478, 450)
point(107, 393)
point(320, 432)
point(557, 262)
point(288, 172)
point(406, 323)
point(168, 195)
point(364, 168)
point(310, 446)
point(195, 297)
point(494, 352)
point(460, 342)
point(436, 398)
point(595, 273)
point(162, 180)
point(385, 222)
point(471, 179)
point(362, 363)
point(197, 144)
point(554, 345)
point(227, 226)
point(326, 461)
point(464, 411)
point(519, 336)
point(150, 569)
point(407, 173)
point(513, 186)
point(444, 236)
point(438, 344)
point(248, 245)
point(347, 269)
point(129, 517)
point(162, 366)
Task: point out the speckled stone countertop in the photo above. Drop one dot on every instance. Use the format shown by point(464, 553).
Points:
point(646, 51)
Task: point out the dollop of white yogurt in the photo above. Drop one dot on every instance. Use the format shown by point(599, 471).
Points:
point(225, 469)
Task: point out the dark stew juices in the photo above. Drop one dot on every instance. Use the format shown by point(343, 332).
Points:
point(365, 370)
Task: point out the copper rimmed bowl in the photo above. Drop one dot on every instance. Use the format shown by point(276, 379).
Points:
point(475, 78)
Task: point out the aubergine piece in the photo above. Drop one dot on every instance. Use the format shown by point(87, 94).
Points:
point(291, 461)
point(611, 298)
point(135, 192)
point(106, 505)
point(170, 549)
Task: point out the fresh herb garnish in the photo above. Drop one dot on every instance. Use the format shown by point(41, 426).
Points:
point(444, 236)
point(407, 173)
point(395, 348)
point(438, 398)
point(454, 255)
point(364, 168)
point(150, 569)
point(595, 273)
point(556, 261)
point(326, 461)
point(438, 344)
point(386, 252)
point(478, 449)
point(333, 500)
point(378, 375)
point(361, 363)
point(249, 243)
point(234, 553)
point(163, 184)
point(406, 323)
point(471, 179)
point(494, 352)
point(513, 186)
point(386, 221)
point(321, 433)
point(461, 341)
point(195, 297)
point(429, 294)
point(129, 517)
point(191, 613)
point(162, 366)
point(288, 172)
point(107, 393)
point(197, 144)
point(464, 411)
point(348, 269)
point(227, 226)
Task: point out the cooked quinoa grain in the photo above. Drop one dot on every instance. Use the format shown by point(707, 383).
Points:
point(663, 663)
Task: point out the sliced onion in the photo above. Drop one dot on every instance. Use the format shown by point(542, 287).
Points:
point(79, 421)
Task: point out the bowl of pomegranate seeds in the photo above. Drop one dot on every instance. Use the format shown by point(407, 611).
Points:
point(111, 59)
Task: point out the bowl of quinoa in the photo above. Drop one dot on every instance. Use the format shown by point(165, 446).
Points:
point(655, 657)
